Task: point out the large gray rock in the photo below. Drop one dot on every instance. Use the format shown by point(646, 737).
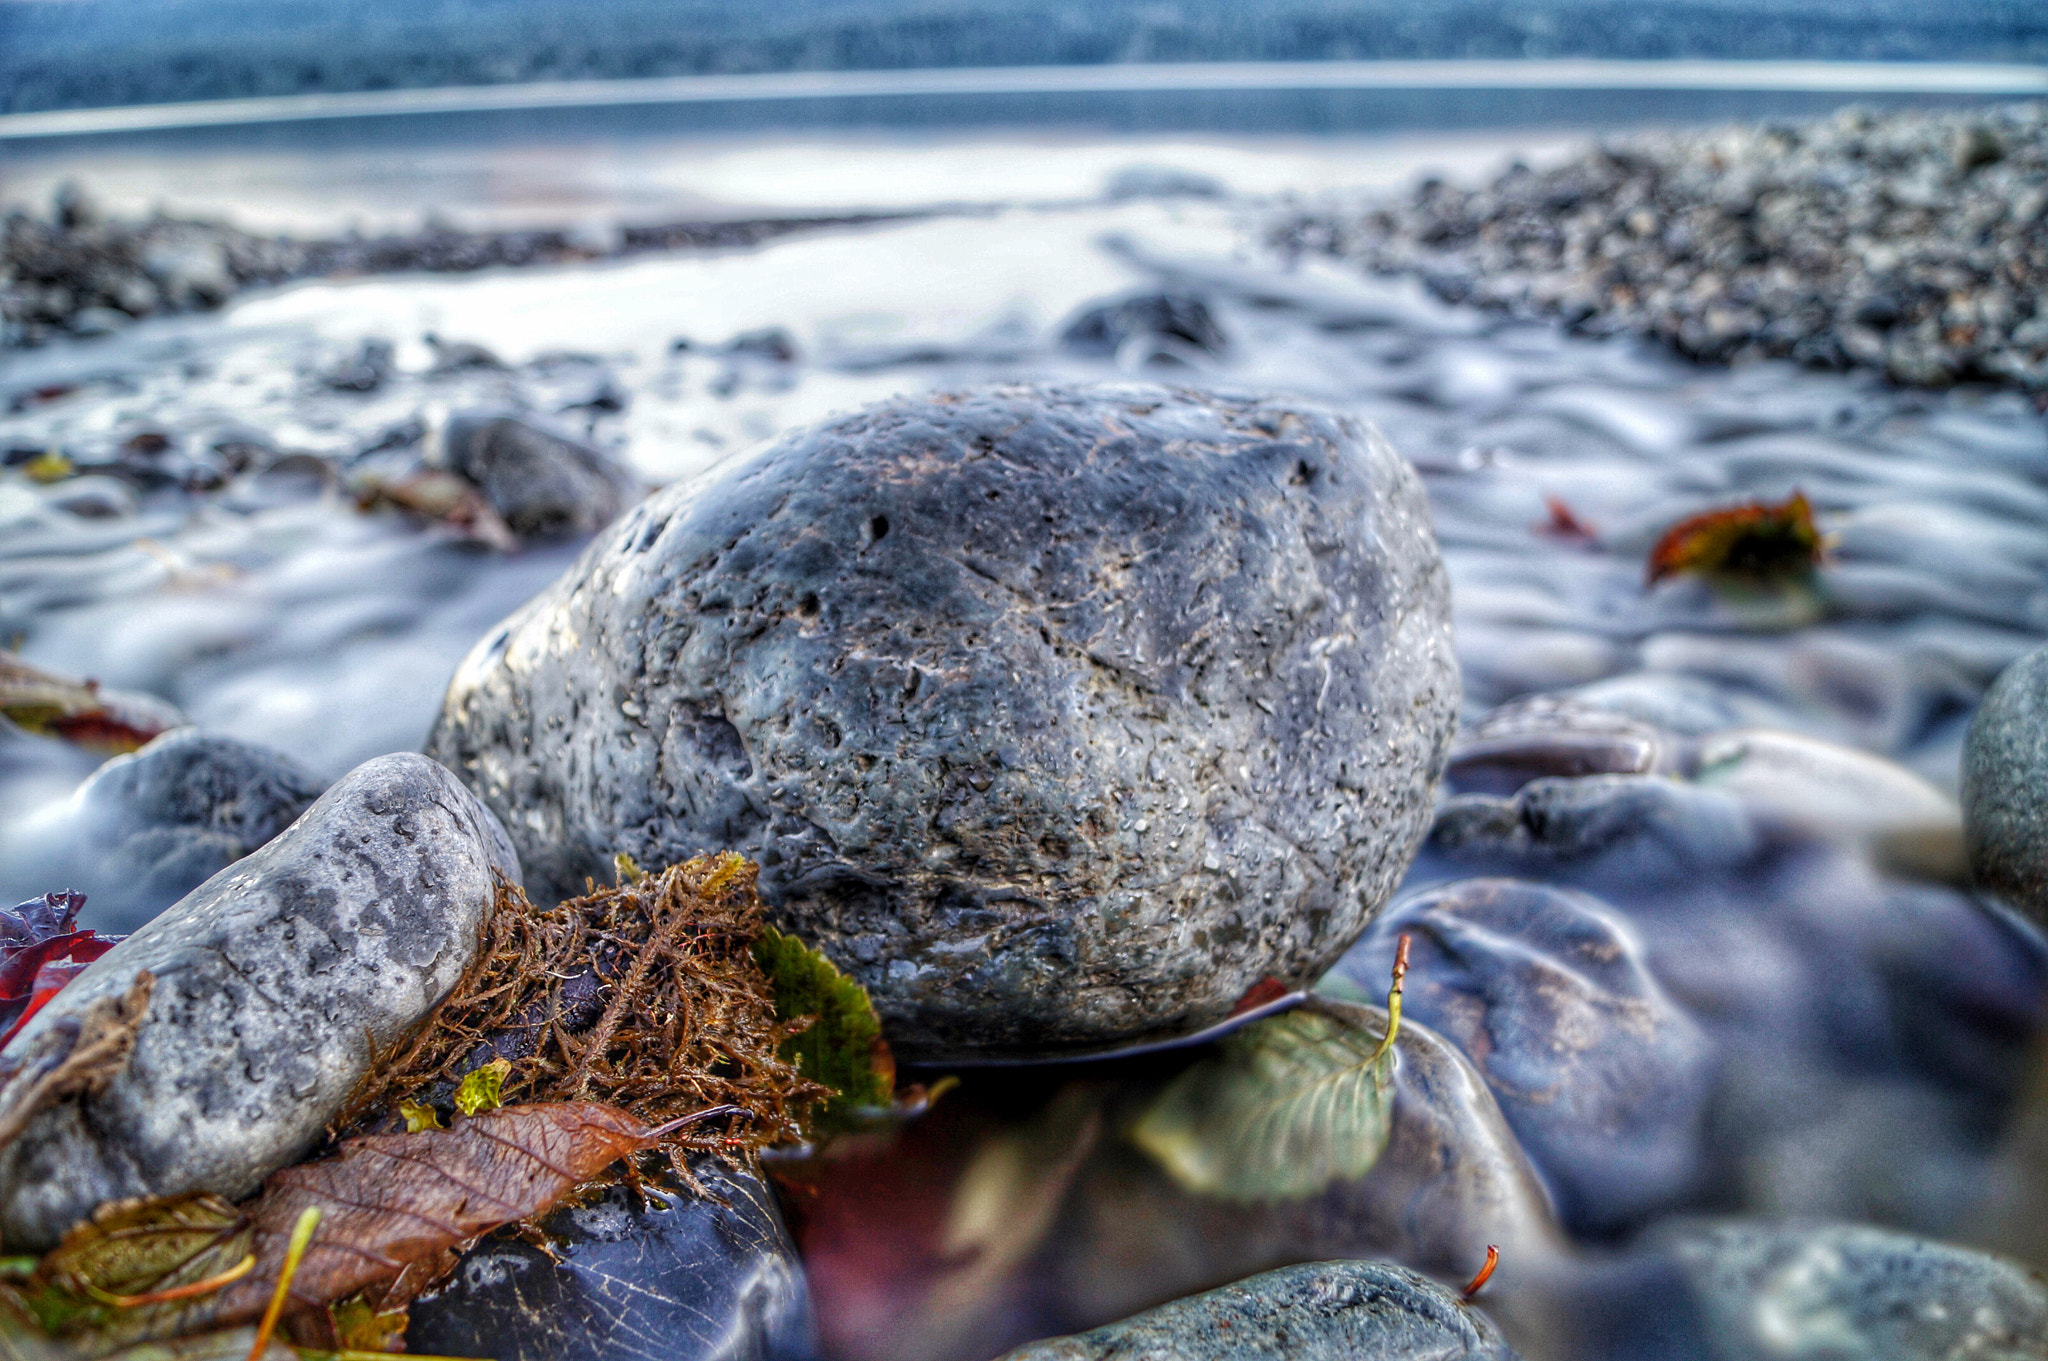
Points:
point(1056, 716)
point(541, 485)
point(1324, 1311)
point(149, 827)
point(2005, 788)
point(278, 981)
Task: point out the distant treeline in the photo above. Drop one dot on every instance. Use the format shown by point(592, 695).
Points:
point(81, 53)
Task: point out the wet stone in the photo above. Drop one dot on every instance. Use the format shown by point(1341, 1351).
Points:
point(1026, 700)
point(278, 981)
point(149, 827)
point(1326, 1311)
point(2005, 788)
point(1178, 318)
point(1604, 1079)
point(1754, 1291)
point(541, 485)
point(663, 1274)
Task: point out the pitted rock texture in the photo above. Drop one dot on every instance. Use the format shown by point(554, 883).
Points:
point(1056, 716)
point(149, 827)
point(1325, 1311)
point(277, 982)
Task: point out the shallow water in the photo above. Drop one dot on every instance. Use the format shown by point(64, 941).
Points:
point(273, 610)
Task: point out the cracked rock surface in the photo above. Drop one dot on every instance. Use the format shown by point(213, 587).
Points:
point(277, 982)
point(1057, 716)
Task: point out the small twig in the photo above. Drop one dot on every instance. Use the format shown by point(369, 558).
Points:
point(1485, 1273)
point(681, 1121)
point(302, 1234)
point(1394, 999)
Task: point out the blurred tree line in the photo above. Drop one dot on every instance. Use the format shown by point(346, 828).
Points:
point(79, 53)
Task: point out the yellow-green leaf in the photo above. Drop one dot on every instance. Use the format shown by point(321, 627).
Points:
point(1281, 1110)
point(418, 1116)
point(482, 1090)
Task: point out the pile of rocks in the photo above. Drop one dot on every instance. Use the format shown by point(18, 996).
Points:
point(1914, 243)
point(76, 272)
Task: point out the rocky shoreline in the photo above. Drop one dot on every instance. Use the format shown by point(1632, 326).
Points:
point(1911, 243)
point(75, 272)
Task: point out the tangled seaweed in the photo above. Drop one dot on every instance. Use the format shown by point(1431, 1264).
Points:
point(645, 996)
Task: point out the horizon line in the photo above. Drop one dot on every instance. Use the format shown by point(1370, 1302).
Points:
point(1817, 77)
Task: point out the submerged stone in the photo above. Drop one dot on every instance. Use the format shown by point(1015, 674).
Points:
point(1738, 1290)
point(1604, 1079)
point(1056, 716)
point(541, 485)
point(663, 1274)
point(1326, 1311)
point(277, 984)
point(149, 827)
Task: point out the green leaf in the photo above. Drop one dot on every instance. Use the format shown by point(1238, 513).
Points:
point(1281, 1110)
point(482, 1090)
point(842, 1048)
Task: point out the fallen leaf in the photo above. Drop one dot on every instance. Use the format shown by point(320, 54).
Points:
point(1282, 1109)
point(1564, 523)
point(50, 705)
point(391, 1201)
point(483, 1090)
point(1757, 541)
point(41, 950)
point(419, 1117)
point(444, 496)
point(133, 1249)
point(842, 1047)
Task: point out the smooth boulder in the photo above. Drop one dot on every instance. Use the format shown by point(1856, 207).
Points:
point(1324, 1311)
point(277, 983)
point(660, 1274)
point(1057, 716)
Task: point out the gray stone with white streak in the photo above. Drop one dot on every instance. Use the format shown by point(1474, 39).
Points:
point(277, 982)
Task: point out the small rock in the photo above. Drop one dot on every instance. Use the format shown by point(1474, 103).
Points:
point(541, 485)
point(1105, 328)
point(1546, 736)
point(1738, 1290)
point(768, 342)
point(1603, 1078)
point(1026, 700)
point(453, 356)
point(1160, 181)
point(1326, 1311)
point(149, 827)
point(663, 1274)
point(364, 371)
point(2005, 788)
point(278, 982)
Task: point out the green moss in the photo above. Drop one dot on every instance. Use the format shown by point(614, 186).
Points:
point(842, 1047)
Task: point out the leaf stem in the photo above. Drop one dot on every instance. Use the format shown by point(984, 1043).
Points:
point(302, 1234)
point(176, 1292)
point(1485, 1273)
point(663, 1131)
point(1394, 999)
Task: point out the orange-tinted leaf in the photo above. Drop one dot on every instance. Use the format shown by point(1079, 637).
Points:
point(1564, 523)
point(1757, 540)
point(389, 1201)
point(78, 711)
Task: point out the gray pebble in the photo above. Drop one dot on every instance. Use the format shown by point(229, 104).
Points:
point(541, 485)
point(1324, 1311)
point(278, 981)
point(1058, 716)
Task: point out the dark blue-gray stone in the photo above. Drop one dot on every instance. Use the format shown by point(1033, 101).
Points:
point(1604, 1079)
point(1057, 716)
point(541, 485)
point(664, 1274)
point(1322, 1311)
point(149, 827)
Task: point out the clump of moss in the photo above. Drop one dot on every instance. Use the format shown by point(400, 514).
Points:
point(646, 995)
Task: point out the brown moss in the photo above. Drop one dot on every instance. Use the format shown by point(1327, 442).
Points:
point(645, 995)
